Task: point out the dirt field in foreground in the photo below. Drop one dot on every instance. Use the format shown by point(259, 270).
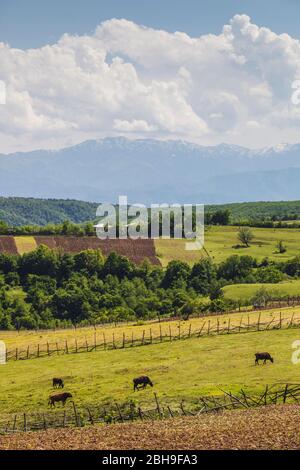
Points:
point(273, 427)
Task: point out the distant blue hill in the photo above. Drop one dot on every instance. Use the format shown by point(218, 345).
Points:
point(150, 171)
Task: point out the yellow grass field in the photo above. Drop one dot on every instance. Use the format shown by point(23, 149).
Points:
point(25, 244)
point(91, 335)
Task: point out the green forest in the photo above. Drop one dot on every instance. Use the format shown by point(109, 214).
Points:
point(45, 288)
point(16, 211)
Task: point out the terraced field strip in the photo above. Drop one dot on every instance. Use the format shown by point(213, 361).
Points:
point(24, 338)
point(25, 244)
point(270, 428)
point(116, 413)
point(208, 327)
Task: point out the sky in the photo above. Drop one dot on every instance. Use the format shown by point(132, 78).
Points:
point(203, 71)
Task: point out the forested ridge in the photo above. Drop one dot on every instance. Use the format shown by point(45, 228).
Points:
point(17, 211)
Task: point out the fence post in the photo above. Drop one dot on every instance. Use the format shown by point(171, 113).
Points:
point(76, 415)
point(170, 332)
point(208, 328)
point(120, 414)
point(67, 349)
point(143, 338)
point(16, 354)
point(160, 332)
point(14, 424)
point(28, 352)
point(285, 393)
point(228, 330)
point(280, 320)
point(150, 336)
point(44, 422)
point(90, 416)
point(140, 413)
point(190, 330)
point(48, 351)
point(104, 341)
point(64, 419)
point(157, 406)
point(258, 321)
point(25, 422)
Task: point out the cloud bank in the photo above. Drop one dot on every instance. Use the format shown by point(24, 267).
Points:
point(127, 79)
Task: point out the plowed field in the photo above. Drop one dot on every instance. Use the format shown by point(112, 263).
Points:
point(273, 427)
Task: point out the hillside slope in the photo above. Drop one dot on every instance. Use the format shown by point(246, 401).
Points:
point(17, 211)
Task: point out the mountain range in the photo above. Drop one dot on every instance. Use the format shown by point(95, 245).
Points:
point(153, 171)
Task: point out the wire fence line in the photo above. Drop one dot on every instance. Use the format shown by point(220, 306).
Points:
point(147, 337)
point(74, 416)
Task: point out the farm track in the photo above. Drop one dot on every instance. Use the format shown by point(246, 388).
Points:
point(271, 427)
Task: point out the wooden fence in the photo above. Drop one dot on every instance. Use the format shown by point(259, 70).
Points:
point(73, 416)
point(146, 337)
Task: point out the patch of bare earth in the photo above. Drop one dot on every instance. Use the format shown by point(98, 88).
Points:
point(272, 427)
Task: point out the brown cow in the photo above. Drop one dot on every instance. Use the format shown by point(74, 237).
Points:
point(60, 397)
point(264, 356)
point(58, 383)
point(141, 382)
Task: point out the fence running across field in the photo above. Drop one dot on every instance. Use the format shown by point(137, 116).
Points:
point(73, 416)
point(172, 333)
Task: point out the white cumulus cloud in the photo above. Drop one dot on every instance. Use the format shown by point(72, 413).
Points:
point(136, 81)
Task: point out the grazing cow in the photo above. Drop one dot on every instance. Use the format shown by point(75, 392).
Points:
point(58, 383)
point(141, 382)
point(264, 356)
point(61, 397)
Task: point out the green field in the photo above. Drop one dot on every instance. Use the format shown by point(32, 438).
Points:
point(180, 370)
point(220, 243)
point(247, 291)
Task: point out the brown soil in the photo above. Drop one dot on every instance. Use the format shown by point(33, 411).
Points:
point(8, 245)
point(272, 427)
point(135, 250)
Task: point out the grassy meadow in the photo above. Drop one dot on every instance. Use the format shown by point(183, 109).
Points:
point(180, 370)
point(247, 291)
point(221, 242)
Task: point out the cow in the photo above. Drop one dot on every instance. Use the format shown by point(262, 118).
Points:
point(61, 397)
point(58, 383)
point(141, 382)
point(263, 356)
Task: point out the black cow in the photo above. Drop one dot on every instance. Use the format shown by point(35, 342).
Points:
point(264, 356)
point(58, 383)
point(61, 397)
point(141, 382)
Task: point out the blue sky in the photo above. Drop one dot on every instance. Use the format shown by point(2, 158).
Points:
point(33, 23)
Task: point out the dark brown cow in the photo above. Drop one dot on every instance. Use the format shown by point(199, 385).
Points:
point(263, 356)
point(58, 383)
point(61, 397)
point(141, 382)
